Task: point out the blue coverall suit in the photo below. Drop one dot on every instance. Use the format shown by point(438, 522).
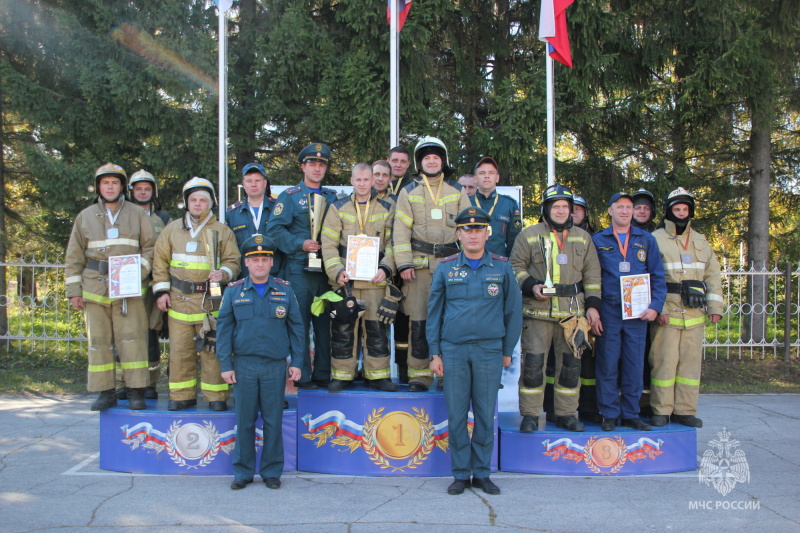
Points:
point(239, 218)
point(624, 340)
point(474, 319)
point(289, 226)
point(254, 336)
point(506, 222)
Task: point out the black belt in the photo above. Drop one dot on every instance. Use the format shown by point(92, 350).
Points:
point(435, 249)
point(189, 287)
point(100, 266)
point(674, 288)
point(568, 290)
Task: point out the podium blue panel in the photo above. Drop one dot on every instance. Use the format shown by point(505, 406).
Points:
point(363, 432)
point(624, 451)
point(195, 441)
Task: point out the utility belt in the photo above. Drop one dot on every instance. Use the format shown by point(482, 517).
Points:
point(674, 288)
point(100, 266)
point(568, 291)
point(189, 287)
point(435, 249)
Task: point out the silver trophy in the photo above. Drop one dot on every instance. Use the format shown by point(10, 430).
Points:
point(547, 250)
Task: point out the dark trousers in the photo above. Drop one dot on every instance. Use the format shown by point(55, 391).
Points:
point(306, 285)
point(259, 388)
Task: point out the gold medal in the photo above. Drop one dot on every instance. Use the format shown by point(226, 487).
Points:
point(436, 214)
point(398, 435)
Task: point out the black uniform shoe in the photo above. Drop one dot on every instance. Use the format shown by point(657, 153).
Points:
point(687, 420)
point(308, 385)
point(337, 385)
point(636, 423)
point(107, 398)
point(150, 393)
point(659, 420)
point(529, 424)
point(122, 393)
point(486, 484)
point(596, 418)
point(570, 423)
point(321, 383)
point(180, 405)
point(136, 399)
point(609, 424)
point(416, 387)
point(273, 482)
point(457, 487)
point(384, 384)
point(218, 406)
point(551, 417)
point(239, 484)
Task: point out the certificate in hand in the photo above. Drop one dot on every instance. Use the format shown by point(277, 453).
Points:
point(125, 276)
point(635, 295)
point(363, 257)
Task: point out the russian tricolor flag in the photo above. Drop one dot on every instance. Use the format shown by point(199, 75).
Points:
point(553, 29)
point(403, 7)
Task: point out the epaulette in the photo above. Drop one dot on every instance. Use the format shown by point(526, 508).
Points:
point(234, 206)
point(293, 190)
point(282, 281)
point(235, 283)
point(385, 204)
point(499, 257)
point(411, 186)
point(271, 200)
point(449, 258)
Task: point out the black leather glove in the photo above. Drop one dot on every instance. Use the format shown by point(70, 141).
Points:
point(387, 310)
point(693, 293)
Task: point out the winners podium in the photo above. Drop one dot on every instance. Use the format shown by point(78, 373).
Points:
point(363, 432)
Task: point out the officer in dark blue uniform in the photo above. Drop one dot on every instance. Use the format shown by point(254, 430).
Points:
point(624, 249)
point(250, 216)
point(290, 228)
point(503, 210)
point(259, 325)
point(478, 293)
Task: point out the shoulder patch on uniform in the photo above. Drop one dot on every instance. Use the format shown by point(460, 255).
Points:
point(499, 257)
point(449, 258)
point(234, 206)
point(235, 283)
point(293, 190)
point(278, 209)
point(282, 281)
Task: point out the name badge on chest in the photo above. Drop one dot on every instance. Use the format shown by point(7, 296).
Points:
point(191, 246)
point(112, 233)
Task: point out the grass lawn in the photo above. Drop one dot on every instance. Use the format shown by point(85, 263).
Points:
point(750, 376)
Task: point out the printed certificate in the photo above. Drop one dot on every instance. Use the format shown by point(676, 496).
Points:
point(635, 295)
point(125, 276)
point(363, 257)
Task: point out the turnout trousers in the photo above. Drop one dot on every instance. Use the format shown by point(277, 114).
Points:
point(106, 328)
point(675, 356)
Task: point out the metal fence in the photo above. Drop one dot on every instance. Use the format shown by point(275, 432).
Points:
point(39, 317)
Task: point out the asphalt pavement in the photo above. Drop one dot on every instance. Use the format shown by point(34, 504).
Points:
point(50, 479)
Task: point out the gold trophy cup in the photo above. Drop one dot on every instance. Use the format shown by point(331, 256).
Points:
point(547, 250)
point(316, 212)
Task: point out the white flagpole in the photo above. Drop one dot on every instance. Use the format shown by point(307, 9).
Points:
point(394, 79)
point(551, 120)
point(223, 112)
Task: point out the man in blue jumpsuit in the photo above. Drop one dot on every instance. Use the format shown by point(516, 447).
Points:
point(503, 210)
point(259, 325)
point(290, 228)
point(250, 216)
point(624, 249)
point(478, 293)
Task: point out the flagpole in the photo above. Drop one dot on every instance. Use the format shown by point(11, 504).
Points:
point(223, 112)
point(551, 120)
point(394, 78)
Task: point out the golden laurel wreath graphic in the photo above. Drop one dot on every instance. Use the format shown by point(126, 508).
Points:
point(396, 435)
point(213, 448)
point(614, 454)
